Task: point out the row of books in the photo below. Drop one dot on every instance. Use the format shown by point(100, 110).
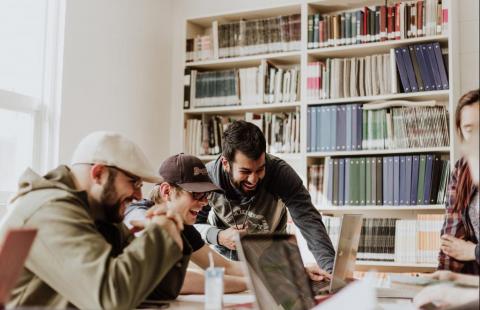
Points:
point(406, 19)
point(421, 67)
point(281, 130)
point(265, 83)
point(384, 180)
point(418, 67)
point(203, 137)
point(335, 78)
point(199, 48)
point(395, 240)
point(246, 37)
point(258, 36)
point(371, 126)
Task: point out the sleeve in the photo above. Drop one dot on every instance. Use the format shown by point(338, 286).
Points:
point(208, 232)
point(193, 237)
point(453, 223)
point(74, 259)
point(290, 189)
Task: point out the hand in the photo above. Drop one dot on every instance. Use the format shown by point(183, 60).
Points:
point(445, 295)
point(458, 248)
point(442, 275)
point(316, 273)
point(169, 220)
point(137, 226)
point(227, 237)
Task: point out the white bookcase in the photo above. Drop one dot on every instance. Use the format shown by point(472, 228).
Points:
point(300, 161)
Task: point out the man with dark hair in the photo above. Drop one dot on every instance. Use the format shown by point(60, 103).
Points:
point(258, 187)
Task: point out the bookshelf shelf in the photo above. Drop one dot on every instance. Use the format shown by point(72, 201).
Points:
point(366, 49)
point(439, 95)
point(380, 152)
point(287, 106)
point(246, 61)
point(382, 208)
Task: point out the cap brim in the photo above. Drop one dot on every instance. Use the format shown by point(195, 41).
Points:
point(156, 179)
point(201, 187)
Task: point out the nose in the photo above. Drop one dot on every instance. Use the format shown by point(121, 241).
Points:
point(137, 194)
point(253, 178)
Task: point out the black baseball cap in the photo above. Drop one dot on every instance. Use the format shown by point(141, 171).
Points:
point(188, 172)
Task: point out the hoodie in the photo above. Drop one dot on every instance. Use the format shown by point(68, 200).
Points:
point(75, 262)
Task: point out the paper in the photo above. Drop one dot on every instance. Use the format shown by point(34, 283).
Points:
point(227, 298)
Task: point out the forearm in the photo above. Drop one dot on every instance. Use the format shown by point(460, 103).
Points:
point(195, 283)
point(209, 233)
point(234, 269)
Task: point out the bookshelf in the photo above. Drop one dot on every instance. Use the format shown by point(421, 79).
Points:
point(301, 57)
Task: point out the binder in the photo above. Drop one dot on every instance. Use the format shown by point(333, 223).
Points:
point(428, 180)
point(408, 179)
point(341, 181)
point(321, 129)
point(401, 70)
point(416, 68)
point(441, 65)
point(428, 82)
point(433, 63)
point(410, 70)
point(309, 129)
point(379, 184)
point(396, 180)
point(414, 187)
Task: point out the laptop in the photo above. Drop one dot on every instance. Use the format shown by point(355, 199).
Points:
point(13, 253)
point(276, 273)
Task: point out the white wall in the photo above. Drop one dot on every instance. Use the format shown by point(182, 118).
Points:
point(116, 73)
point(469, 48)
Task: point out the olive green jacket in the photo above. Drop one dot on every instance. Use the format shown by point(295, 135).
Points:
point(71, 263)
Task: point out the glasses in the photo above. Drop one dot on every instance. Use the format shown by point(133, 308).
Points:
point(134, 180)
point(201, 196)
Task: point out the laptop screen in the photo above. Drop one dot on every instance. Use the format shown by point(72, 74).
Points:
point(277, 272)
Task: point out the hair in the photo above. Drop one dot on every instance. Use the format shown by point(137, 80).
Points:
point(244, 137)
point(156, 195)
point(467, 99)
point(465, 181)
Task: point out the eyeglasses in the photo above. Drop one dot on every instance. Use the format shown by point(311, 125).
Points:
point(201, 196)
point(134, 180)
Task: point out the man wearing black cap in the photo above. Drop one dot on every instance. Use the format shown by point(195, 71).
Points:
point(258, 189)
point(185, 190)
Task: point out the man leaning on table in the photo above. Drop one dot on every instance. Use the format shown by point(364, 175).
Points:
point(84, 256)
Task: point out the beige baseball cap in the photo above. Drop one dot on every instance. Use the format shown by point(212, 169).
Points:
point(113, 149)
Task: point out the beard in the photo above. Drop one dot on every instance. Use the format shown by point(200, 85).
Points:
point(110, 202)
point(238, 185)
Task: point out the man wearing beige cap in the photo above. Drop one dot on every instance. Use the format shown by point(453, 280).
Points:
point(83, 255)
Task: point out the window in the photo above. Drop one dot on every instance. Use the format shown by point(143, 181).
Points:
point(31, 35)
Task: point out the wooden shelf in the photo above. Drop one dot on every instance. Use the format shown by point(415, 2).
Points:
point(438, 95)
point(287, 106)
point(381, 208)
point(365, 49)
point(379, 152)
point(393, 266)
point(284, 156)
point(247, 61)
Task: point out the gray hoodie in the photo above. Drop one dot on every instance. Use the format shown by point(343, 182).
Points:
point(265, 211)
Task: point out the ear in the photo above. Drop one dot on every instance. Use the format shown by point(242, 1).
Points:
point(165, 190)
point(225, 164)
point(96, 173)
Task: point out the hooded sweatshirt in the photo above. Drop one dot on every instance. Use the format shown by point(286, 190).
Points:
point(77, 262)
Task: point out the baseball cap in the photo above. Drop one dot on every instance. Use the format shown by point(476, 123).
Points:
point(188, 172)
point(113, 149)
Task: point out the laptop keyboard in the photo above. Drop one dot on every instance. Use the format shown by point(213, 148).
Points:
point(318, 286)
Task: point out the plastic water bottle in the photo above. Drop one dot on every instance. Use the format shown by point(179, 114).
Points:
point(213, 286)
